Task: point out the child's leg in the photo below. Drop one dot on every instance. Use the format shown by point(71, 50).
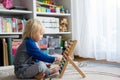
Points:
point(43, 68)
point(39, 68)
point(30, 71)
point(40, 76)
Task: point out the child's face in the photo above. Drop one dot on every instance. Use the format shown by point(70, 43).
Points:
point(38, 37)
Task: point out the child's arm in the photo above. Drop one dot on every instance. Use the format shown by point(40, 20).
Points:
point(34, 51)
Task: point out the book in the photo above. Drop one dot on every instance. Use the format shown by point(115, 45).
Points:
point(5, 53)
point(10, 57)
point(15, 45)
point(1, 52)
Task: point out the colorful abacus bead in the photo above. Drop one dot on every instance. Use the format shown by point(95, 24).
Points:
point(66, 54)
point(64, 60)
point(61, 67)
point(68, 49)
point(60, 70)
point(62, 64)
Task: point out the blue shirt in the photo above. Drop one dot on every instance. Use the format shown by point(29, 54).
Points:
point(37, 53)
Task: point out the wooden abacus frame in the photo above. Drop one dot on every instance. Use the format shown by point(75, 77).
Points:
point(67, 55)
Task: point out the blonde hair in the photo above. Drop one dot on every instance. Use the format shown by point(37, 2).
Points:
point(33, 26)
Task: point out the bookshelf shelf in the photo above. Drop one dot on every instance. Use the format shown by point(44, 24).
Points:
point(15, 11)
point(58, 33)
point(20, 33)
point(11, 33)
point(52, 14)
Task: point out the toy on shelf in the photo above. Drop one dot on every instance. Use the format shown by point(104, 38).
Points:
point(7, 3)
point(49, 6)
point(67, 58)
point(51, 2)
point(63, 25)
point(51, 45)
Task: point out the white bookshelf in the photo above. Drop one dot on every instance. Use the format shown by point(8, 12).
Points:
point(58, 33)
point(19, 33)
point(10, 33)
point(32, 13)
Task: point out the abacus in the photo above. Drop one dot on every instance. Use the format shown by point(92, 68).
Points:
point(67, 58)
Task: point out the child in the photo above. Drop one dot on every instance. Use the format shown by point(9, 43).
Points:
point(29, 59)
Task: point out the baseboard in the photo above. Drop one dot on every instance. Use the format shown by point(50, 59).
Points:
point(77, 58)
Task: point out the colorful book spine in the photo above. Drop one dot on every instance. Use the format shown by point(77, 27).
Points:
point(10, 57)
point(12, 24)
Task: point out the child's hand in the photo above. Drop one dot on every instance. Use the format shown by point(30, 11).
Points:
point(57, 59)
point(48, 65)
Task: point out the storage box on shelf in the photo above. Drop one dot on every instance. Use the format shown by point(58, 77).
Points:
point(51, 24)
point(51, 45)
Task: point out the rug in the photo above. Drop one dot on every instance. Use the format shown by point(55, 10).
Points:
point(93, 70)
